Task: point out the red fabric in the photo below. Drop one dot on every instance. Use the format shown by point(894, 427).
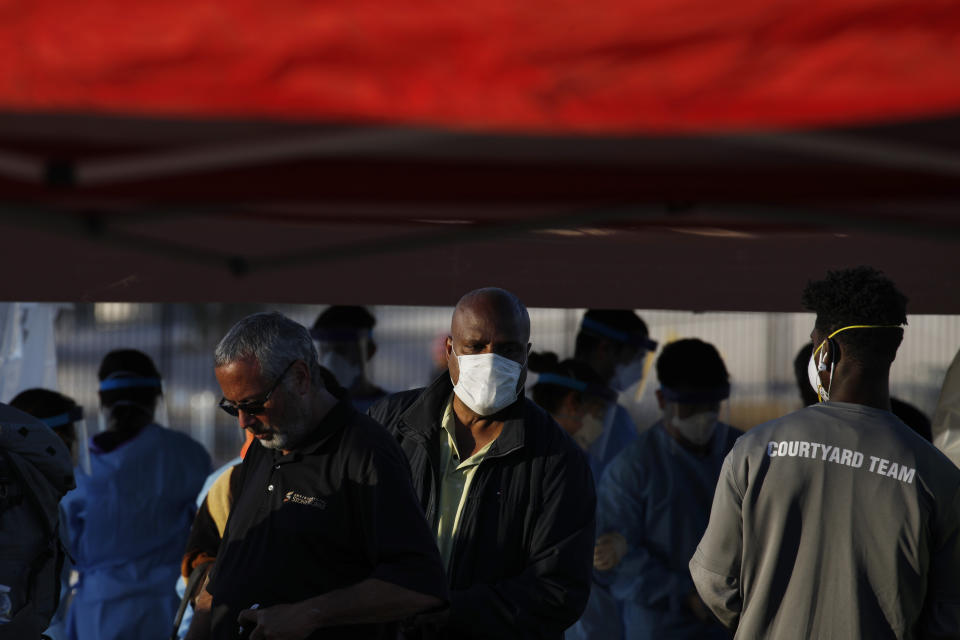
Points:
point(615, 66)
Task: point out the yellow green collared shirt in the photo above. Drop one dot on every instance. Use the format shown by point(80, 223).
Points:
point(455, 479)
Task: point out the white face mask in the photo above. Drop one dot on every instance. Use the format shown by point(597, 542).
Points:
point(106, 420)
point(813, 373)
point(343, 370)
point(628, 374)
point(696, 429)
point(488, 382)
point(591, 428)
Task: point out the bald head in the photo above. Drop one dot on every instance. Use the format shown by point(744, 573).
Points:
point(497, 306)
point(489, 320)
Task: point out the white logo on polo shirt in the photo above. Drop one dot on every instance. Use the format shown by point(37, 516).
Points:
point(299, 498)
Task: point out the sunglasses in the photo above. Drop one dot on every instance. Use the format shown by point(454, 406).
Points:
point(252, 407)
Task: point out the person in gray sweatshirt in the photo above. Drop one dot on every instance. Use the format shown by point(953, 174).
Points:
point(837, 520)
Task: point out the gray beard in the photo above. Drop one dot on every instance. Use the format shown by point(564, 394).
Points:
point(276, 441)
point(296, 429)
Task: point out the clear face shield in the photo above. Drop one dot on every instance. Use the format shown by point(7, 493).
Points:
point(71, 427)
point(595, 423)
point(587, 420)
point(629, 372)
point(157, 410)
point(161, 412)
point(635, 348)
point(82, 445)
point(725, 411)
point(346, 359)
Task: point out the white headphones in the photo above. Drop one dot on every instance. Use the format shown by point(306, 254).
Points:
point(821, 365)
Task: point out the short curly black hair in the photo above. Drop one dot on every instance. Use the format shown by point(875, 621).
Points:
point(859, 295)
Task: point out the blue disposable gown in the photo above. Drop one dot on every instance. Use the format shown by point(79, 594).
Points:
point(619, 431)
point(601, 618)
point(129, 520)
point(658, 496)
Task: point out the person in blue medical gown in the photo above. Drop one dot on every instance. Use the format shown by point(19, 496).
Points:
point(614, 343)
point(573, 394)
point(578, 400)
point(655, 497)
point(130, 517)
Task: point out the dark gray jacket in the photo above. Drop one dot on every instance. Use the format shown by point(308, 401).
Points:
point(521, 560)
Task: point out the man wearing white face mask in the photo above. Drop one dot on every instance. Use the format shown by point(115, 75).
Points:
point(837, 520)
point(654, 499)
point(343, 336)
point(509, 495)
point(615, 344)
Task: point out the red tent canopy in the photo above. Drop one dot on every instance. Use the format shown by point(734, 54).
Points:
point(536, 66)
point(683, 154)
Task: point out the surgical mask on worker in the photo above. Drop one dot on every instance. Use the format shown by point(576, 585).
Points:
point(590, 429)
point(696, 429)
point(627, 374)
point(488, 382)
point(343, 370)
point(107, 418)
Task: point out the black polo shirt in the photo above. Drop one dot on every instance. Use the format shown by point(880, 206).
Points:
point(339, 510)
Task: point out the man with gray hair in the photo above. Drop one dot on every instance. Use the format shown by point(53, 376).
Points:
point(508, 493)
point(325, 537)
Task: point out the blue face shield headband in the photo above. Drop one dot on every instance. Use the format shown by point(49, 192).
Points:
point(63, 419)
point(112, 384)
point(643, 342)
point(577, 385)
